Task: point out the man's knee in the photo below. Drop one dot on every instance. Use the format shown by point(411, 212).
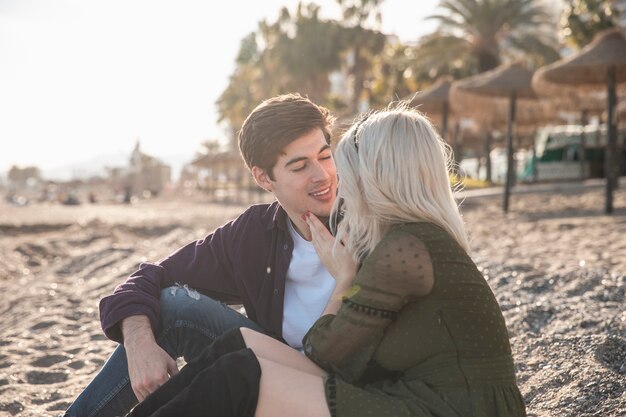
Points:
point(180, 292)
point(183, 307)
point(181, 303)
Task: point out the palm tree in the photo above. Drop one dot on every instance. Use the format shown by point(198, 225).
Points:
point(307, 49)
point(298, 53)
point(475, 35)
point(583, 19)
point(392, 74)
point(364, 44)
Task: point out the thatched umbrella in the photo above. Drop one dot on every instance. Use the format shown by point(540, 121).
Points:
point(491, 113)
point(512, 81)
point(569, 98)
point(435, 99)
point(482, 110)
point(603, 61)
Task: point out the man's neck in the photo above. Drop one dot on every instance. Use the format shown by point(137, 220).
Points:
point(302, 228)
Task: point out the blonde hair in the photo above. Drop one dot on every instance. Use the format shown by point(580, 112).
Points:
point(393, 168)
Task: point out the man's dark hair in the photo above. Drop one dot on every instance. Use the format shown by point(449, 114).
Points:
point(277, 122)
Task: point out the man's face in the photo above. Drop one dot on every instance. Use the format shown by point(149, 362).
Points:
point(305, 177)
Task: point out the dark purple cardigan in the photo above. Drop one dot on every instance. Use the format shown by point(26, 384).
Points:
point(244, 262)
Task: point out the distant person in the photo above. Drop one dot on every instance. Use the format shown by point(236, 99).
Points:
point(71, 200)
point(262, 260)
point(128, 195)
point(415, 332)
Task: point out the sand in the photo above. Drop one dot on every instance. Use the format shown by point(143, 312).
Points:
point(556, 264)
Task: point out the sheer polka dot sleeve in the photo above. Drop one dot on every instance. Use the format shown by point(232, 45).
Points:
point(398, 271)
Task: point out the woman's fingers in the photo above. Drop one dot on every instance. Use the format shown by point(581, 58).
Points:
point(338, 261)
point(321, 238)
point(318, 229)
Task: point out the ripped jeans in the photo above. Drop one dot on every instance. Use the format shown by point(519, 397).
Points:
point(189, 322)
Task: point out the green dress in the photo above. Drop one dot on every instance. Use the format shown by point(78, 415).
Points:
point(420, 334)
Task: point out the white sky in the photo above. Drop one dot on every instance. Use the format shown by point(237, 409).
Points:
point(81, 79)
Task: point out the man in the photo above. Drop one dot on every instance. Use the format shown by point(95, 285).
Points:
point(263, 260)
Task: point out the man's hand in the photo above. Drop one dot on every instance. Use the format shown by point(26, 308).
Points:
point(149, 366)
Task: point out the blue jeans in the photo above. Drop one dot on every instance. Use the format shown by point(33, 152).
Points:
point(189, 322)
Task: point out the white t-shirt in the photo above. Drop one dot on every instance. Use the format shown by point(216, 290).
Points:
point(307, 290)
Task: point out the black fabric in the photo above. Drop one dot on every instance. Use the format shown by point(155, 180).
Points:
point(231, 341)
point(376, 373)
point(228, 388)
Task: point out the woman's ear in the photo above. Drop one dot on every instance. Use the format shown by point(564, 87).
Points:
point(261, 178)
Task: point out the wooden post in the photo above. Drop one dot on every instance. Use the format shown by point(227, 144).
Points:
point(611, 141)
point(456, 148)
point(535, 173)
point(509, 154)
point(583, 152)
point(487, 151)
point(444, 120)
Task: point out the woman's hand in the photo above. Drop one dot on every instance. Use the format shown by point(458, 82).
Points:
point(340, 264)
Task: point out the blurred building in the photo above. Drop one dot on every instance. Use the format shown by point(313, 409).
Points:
point(145, 174)
point(23, 179)
point(621, 5)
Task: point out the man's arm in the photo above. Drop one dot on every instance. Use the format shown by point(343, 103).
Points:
point(131, 313)
point(204, 265)
point(149, 366)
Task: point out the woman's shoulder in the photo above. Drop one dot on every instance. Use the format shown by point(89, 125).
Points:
point(404, 237)
point(402, 260)
point(422, 230)
point(431, 235)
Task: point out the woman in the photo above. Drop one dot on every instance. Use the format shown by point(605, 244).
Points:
point(415, 332)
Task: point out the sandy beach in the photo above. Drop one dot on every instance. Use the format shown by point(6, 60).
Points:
point(556, 263)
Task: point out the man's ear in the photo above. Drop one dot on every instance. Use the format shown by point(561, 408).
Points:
point(262, 178)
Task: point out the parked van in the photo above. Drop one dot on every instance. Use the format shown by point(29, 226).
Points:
point(570, 152)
